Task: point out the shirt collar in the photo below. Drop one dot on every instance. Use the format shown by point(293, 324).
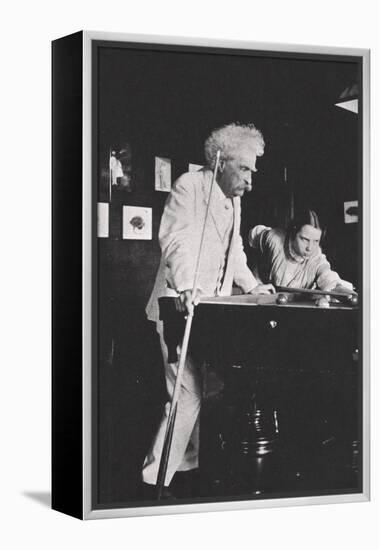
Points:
point(293, 255)
point(218, 194)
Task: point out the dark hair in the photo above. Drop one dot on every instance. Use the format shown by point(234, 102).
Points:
point(301, 218)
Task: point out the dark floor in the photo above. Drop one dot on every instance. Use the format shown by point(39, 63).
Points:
point(299, 438)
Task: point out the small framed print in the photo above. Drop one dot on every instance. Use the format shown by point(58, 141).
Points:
point(136, 223)
point(102, 219)
point(244, 283)
point(162, 174)
point(351, 211)
point(194, 167)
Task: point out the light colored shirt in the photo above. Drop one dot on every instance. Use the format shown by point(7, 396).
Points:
point(278, 264)
point(223, 214)
point(223, 261)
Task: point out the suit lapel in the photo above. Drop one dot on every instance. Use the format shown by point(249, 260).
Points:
point(207, 182)
point(227, 284)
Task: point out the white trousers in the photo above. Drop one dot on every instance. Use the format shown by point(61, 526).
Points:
point(184, 453)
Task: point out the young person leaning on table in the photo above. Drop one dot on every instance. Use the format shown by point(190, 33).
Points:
point(293, 257)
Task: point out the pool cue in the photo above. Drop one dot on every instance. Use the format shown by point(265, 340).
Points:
point(332, 293)
point(183, 354)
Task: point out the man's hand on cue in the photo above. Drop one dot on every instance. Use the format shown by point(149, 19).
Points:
point(263, 289)
point(186, 304)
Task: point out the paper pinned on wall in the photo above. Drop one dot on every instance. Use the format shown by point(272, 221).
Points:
point(102, 219)
point(162, 174)
point(136, 223)
point(194, 167)
point(351, 211)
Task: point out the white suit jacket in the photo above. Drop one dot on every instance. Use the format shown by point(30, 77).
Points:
point(179, 236)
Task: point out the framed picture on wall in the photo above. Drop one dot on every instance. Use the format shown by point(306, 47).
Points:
point(217, 354)
point(162, 174)
point(136, 223)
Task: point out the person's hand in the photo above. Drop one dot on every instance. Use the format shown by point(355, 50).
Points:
point(323, 301)
point(350, 295)
point(263, 289)
point(185, 304)
point(344, 290)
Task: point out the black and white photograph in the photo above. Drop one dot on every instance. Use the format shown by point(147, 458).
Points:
point(213, 384)
point(228, 360)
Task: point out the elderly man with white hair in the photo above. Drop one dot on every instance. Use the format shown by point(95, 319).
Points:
point(223, 263)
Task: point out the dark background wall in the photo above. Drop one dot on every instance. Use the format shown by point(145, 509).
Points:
point(165, 103)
